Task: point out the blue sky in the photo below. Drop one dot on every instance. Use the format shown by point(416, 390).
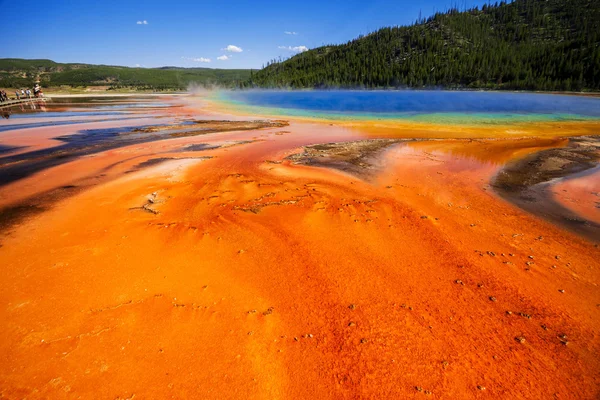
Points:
point(190, 33)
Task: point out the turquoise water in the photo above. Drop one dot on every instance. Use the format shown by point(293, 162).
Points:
point(419, 106)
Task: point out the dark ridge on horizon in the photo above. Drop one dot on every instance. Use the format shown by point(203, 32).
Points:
point(19, 73)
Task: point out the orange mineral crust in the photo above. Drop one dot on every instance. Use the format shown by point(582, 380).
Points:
point(235, 273)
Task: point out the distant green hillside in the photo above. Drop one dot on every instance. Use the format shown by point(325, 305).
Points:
point(24, 73)
point(525, 44)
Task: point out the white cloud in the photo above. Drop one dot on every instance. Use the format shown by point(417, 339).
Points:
point(197, 59)
point(295, 49)
point(233, 49)
point(144, 22)
point(223, 57)
point(290, 33)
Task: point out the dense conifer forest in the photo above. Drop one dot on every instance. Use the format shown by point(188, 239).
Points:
point(520, 45)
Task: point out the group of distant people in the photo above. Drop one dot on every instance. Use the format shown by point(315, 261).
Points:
point(23, 93)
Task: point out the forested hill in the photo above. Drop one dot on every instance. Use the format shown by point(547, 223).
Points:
point(18, 73)
point(523, 45)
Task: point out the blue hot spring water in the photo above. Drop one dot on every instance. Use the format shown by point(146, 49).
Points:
point(425, 106)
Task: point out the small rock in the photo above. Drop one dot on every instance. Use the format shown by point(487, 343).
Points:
point(481, 387)
point(492, 298)
point(509, 313)
point(520, 339)
point(351, 323)
point(544, 327)
point(352, 306)
point(459, 282)
point(561, 290)
point(424, 217)
point(269, 311)
point(418, 388)
point(531, 257)
point(563, 339)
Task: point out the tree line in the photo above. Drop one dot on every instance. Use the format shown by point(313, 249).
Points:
point(18, 73)
point(521, 45)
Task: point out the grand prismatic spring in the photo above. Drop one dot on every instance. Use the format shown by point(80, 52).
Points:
point(265, 245)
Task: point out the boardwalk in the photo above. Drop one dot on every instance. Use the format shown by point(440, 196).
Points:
point(21, 101)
